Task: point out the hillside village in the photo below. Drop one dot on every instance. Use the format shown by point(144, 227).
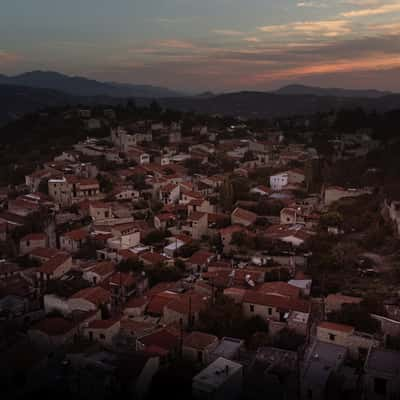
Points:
point(210, 260)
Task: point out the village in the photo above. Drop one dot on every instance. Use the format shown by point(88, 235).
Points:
point(211, 262)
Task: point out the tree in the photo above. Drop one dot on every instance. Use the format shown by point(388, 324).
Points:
point(130, 265)
point(227, 195)
point(346, 254)
point(106, 185)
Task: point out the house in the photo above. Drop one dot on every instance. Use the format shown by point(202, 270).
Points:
point(200, 260)
point(166, 339)
point(71, 189)
point(196, 225)
point(228, 232)
point(90, 299)
point(122, 286)
point(165, 221)
point(73, 241)
point(152, 258)
point(53, 332)
point(278, 181)
point(261, 190)
point(102, 331)
point(55, 267)
point(243, 217)
point(279, 311)
point(32, 241)
point(280, 289)
point(185, 309)
point(322, 363)
point(222, 379)
point(100, 211)
point(138, 155)
point(197, 347)
point(335, 302)
point(290, 216)
point(357, 343)
point(331, 194)
point(228, 347)
point(381, 380)
point(43, 254)
point(136, 306)
point(170, 193)
point(99, 272)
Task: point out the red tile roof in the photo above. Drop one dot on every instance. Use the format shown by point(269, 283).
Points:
point(281, 288)
point(336, 327)
point(96, 295)
point(54, 326)
point(282, 303)
point(244, 214)
point(199, 340)
point(77, 234)
point(165, 339)
point(103, 323)
point(51, 265)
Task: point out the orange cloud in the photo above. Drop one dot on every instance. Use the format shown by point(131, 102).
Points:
point(366, 12)
point(8, 58)
point(327, 28)
point(366, 64)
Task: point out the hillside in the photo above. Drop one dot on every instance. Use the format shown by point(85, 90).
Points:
point(79, 86)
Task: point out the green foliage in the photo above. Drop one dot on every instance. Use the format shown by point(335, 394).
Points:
point(130, 265)
point(225, 318)
point(106, 184)
point(227, 195)
point(357, 316)
point(288, 340)
point(154, 237)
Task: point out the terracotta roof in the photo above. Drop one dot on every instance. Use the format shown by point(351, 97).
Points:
point(165, 339)
point(44, 252)
point(34, 236)
point(192, 303)
point(103, 268)
point(199, 340)
point(51, 265)
point(96, 295)
point(54, 326)
point(152, 257)
point(244, 214)
point(122, 278)
point(200, 257)
point(77, 234)
point(281, 288)
point(195, 216)
point(102, 323)
point(159, 301)
point(336, 327)
point(229, 230)
point(137, 302)
point(269, 300)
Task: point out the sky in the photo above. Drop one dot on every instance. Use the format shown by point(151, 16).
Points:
point(207, 45)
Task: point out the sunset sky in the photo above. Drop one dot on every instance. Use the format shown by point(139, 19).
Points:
point(198, 45)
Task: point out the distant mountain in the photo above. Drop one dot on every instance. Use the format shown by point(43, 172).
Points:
point(19, 100)
point(79, 86)
point(265, 105)
point(330, 92)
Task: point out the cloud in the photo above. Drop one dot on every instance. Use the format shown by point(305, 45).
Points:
point(252, 39)
point(8, 58)
point(362, 3)
point(227, 32)
point(366, 12)
point(311, 4)
point(328, 28)
point(174, 44)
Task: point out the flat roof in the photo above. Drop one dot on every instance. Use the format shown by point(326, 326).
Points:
point(216, 374)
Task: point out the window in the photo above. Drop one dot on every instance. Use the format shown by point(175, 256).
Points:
point(380, 386)
point(270, 311)
point(251, 308)
point(102, 336)
point(200, 356)
point(309, 394)
point(332, 337)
